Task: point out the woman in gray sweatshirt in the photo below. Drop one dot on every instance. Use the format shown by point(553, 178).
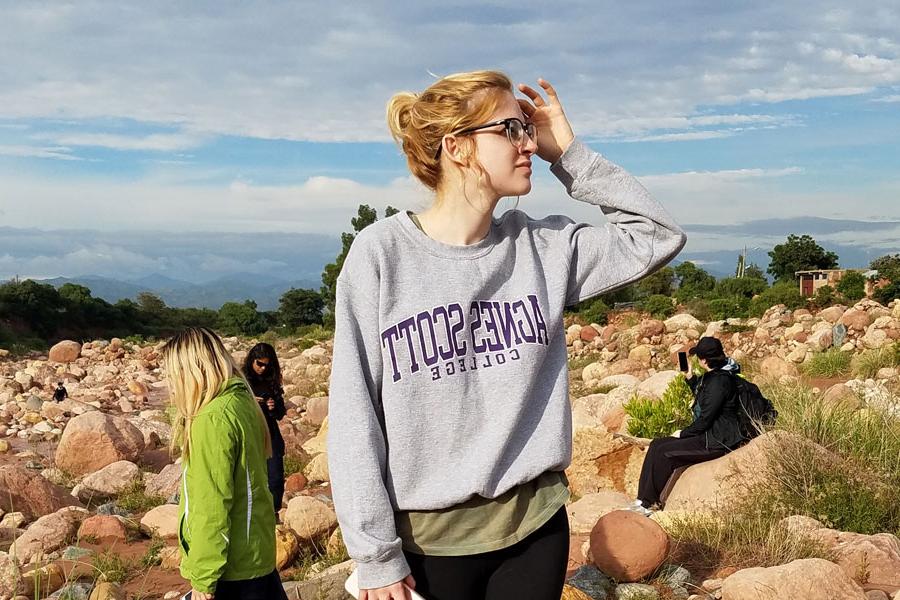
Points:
point(449, 421)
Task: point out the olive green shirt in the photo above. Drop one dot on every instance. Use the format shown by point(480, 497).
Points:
point(483, 524)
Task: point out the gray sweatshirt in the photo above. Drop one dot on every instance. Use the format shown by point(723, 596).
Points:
point(449, 376)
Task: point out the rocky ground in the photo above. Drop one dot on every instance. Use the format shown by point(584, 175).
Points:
point(88, 489)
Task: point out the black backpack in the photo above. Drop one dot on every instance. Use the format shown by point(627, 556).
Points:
point(756, 411)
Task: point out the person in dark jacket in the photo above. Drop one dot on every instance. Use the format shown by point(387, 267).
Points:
point(263, 372)
point(714, 432)
point(60, 393)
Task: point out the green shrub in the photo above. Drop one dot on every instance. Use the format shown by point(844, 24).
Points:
point(294, 463)
point(825, 296)
point(111, 567)
point(732, 307)
point(852, 286)
point(887, 293)
point(866, 364)
point(744, 287)
point(746, 535)
point(594, 310)
point(831, 363)
point(659, 306)
point(135, 499)
point(319, 333)
point(580, 362)
point(700, 308)
point(855, 488)
point(151, 556)
point(651, 418)
point(787, 293)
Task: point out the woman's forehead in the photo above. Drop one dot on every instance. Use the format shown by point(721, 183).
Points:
point(507, 106)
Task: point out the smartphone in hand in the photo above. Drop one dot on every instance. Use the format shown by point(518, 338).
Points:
point(683, 364)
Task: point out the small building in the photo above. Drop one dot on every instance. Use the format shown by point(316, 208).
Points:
point(811, 281)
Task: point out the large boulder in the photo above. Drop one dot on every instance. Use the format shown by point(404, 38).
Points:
point(656, 385)
point(776, 368)
point(286, 546)
point(586, 511)
point(683, 321)
point(650, 328)
point(856, 320)
point(877, 557)
point(628, 546)
point(309, 517)
point(162, 522)
point(595, 409)
point(108, 438)
point(841, 395)
point(41, 582)
point(65, 352)
point(602, 462)
point(820, 340)
point(806, 579)
point(316, 470)
point(22, 490)
point(106, 529)
point(48, 534)
point(108, 481)
point(165, 483)
point(316, 411)
point(832, 314)
point(716, 484)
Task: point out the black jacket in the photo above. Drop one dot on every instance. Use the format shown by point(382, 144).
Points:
point(276, 392)
point(716, 401)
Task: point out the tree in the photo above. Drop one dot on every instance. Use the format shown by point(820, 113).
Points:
point(151, 304)
point(693, 282)
point(784, 292)
point(661, 307)
point(657, 284)
point(754, 272)
point(237, 318)
point(744, 287)
point(852, 286)
point(799, 253)
point(365, 216)
point(888, 267)
point(37, 305)
point(825, 296)
point(299, 307)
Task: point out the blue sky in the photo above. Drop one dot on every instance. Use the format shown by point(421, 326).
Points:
point(269, 117)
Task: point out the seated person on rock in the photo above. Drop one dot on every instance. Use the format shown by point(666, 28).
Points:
point(714, 432)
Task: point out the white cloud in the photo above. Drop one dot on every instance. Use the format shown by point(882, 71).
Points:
point(682, 137)
point(715, 177)
point(154, 142)
point(323, 72)
point(83, 260)
point(889, 99)
point(23, 151)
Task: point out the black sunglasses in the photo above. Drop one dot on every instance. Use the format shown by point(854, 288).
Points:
point(260, 364)
point(515, 130)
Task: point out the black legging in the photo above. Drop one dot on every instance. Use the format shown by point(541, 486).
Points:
point(267, 587)
point(664, 456)
point(534, 568)
point(275, 465)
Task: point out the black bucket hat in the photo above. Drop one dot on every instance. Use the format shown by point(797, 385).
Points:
point(707, 348)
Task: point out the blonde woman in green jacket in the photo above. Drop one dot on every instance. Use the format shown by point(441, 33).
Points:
point(227, 522)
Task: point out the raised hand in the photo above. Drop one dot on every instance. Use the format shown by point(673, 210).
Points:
point(553, 129)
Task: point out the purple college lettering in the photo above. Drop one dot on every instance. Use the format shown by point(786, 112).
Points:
point(440, 338)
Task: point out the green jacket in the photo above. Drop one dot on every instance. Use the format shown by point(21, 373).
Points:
point(226, 518)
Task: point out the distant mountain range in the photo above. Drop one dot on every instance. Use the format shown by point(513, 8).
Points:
point(265, 290)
